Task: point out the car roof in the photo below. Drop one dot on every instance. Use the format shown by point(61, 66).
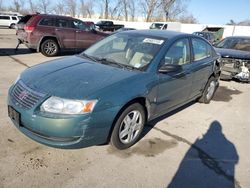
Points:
point(158, 33)
point(51, 15)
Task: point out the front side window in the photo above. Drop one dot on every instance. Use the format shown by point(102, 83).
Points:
point(14, 18)
point(178, 53)
point(201, 49)
point(132, 50)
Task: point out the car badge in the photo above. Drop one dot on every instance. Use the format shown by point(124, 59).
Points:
point(23, 95)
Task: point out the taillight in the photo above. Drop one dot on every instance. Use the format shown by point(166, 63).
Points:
point(29, 28)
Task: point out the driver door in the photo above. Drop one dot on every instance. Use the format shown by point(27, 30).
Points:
point(174, 88)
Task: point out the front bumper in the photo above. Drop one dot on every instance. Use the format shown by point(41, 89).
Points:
point(64, 131)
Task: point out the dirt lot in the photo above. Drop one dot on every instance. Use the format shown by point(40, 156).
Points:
point(196, 146)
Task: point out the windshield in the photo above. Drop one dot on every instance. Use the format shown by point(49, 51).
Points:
point(235, 43)
point(133, 50)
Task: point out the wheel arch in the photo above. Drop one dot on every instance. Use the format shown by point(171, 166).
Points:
point(45, 38)
point(141, 100)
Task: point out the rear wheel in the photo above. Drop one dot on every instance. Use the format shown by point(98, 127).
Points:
point(49, 48)
point(128, 127)
point(209, 90)
point(12, 26)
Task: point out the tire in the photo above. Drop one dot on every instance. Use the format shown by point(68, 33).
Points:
point(49, 48)
point(209, 90)
point(12, 26)
point(128, 127)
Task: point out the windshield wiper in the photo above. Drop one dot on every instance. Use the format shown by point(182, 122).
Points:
point(113, 62)
point(89, 57)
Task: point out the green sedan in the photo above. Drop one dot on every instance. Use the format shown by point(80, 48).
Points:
point(110, 91)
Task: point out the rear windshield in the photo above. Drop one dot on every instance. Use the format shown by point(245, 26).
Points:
point(24, 19)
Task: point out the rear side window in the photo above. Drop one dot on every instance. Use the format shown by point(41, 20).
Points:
point(4, 18)
point(201, 49)
point(47, 22)
point(64, 23)
point(14, 18)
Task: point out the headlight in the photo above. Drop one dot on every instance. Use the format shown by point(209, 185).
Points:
point(66, 106)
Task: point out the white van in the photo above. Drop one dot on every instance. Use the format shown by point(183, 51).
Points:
point(8, 21)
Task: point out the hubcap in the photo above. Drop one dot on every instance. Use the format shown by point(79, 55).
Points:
point(50, 48)
point(210, 90)
point(130, 127)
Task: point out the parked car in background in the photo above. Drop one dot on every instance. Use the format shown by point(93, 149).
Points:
point(50, 34)
point(159, 25)
point(206, 35)
point(90, 24)
point(8, 21)
point(235, 53)
point(108, 93)
point(105, 25)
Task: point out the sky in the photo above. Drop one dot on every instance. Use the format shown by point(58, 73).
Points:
point(208, 11)
point(219, 11)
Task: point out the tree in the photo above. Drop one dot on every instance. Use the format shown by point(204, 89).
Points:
point(43, 6)
point(71, 7)
point(149, 7)
point(1, 5)
point(86, 8)
point(131, 6)
point(33, 6)
point(188, 19)
point(59, 8)
point(17, 5)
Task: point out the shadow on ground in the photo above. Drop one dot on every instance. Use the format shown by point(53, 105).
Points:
point(224, 94)
point(209, 162)
point(22, 51)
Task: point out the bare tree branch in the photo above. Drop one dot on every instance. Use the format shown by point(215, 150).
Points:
point(86, 8)
point(43, 6)
point(59, 8)
point(71, 7)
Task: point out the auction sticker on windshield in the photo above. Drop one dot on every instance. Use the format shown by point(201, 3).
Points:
point(153, 41)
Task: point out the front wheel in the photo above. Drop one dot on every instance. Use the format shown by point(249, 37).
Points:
point(49, 48)
point(128, 127)
point(209, 90)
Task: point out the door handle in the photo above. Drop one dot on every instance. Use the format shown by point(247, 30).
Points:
point(78, 31)
point(58, 29)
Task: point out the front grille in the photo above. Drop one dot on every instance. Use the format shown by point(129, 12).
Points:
point(25, 97)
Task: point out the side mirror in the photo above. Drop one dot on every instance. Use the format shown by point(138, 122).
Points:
point(167, 68)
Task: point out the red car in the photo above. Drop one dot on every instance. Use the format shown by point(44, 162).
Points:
point(49, 34)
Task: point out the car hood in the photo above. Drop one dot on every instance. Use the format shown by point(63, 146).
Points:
point(73, 77)
point(237, 54)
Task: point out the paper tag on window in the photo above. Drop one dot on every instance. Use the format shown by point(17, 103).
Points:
point(153, 41)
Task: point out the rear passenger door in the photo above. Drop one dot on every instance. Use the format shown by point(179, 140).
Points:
point(66, 33)
point(201, 64)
